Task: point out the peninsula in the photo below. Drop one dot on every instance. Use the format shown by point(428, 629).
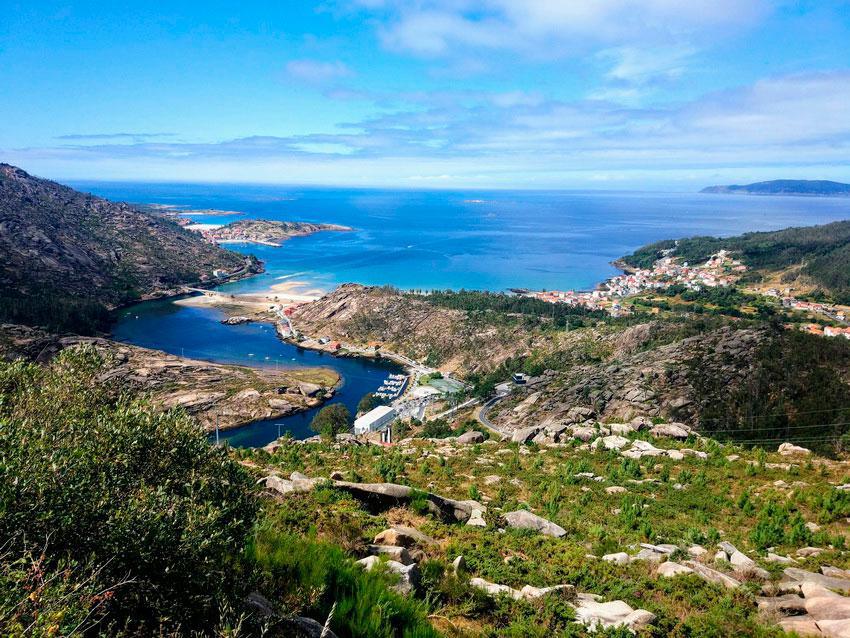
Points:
point(800, 187)
point(262, 231)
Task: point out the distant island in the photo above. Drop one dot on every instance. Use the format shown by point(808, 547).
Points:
point(261, 231)
point(811, 188)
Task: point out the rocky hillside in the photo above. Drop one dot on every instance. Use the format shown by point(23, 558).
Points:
point(754, 384)
point(634, 533)
point(402, 323)
point(64, 251)
point(231, 395)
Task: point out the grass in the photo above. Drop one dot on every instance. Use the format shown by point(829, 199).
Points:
point(691, 501)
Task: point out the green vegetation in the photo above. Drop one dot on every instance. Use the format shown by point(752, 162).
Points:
point(795, 392)
point(819, 253)
point(106, 483)
point(507, 309)
point(117, 519)
point(55, 312)
point(683, 502)
point(331, 420)
point(369, 402)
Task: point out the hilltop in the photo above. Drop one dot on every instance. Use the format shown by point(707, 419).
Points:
point(66, 257)
point(815, 188)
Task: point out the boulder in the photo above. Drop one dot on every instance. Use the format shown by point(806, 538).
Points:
point(676, 455)
point(623, 429)
point(309, 389)
point(712, 575)
point(476, 519)
point(524, 435)
point(523, 519)
point(614, 442)
point(670, 430)
point(616, 489)
point(782, 560)
point(616, 613)
point(283, 486)
point(398, 554)
point(834, 572)
point(408, 575)
point(639, 449)
point(829, 582)
point(583, 433)
point(801, 625)
point(473, 436)
point(495, 589)
point(459, 565)
point(697, 550)
point(671, 569)
point(618, 558)
point(493, 479)
point(789, 449)
point(388, 495)
point(578, 414)
point(402, 536)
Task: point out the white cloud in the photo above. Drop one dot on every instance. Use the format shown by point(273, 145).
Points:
point(782, 124)
point(552, 28)
point(317, 71)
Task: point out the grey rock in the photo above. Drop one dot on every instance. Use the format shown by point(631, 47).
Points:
point(670, 569)
point(829, 582)
point(524, 519)
point(473, 436)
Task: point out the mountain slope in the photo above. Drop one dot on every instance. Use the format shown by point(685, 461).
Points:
point(65, 256)
point(820, 187)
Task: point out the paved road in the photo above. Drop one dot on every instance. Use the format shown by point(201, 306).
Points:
point(481, 415)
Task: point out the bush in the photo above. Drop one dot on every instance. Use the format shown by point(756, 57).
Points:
point(99, 477)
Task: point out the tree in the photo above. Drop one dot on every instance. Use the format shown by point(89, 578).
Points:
point(331, 420)
point(368, 402)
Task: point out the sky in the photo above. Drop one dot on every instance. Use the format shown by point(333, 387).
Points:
point(584, 94)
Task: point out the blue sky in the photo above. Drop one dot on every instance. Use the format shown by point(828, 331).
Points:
point(649, 94)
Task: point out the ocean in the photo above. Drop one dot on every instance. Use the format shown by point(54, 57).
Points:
point(492, 240)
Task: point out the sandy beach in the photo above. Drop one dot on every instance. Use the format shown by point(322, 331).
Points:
point(287, 293)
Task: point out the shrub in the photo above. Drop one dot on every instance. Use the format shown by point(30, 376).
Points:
point(105, 478)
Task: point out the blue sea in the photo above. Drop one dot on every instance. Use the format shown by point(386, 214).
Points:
point(492, 240)
point(425, 240)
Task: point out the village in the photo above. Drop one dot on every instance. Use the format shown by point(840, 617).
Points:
point(720, 270)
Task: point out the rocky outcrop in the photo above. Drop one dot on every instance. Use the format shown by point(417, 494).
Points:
point(382, 496)
point(220, 394)
point(659, 381)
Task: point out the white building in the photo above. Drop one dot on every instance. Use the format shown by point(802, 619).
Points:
point(374, 420)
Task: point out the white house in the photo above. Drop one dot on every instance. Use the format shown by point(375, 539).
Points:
point(374, 420)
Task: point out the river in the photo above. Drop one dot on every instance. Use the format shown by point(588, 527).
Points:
point(199, 334)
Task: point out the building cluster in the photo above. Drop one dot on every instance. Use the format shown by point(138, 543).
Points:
point(720, 270)
point(812, 306)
